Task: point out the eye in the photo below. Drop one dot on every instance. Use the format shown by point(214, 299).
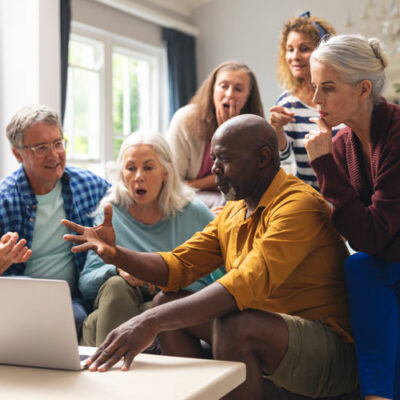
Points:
point(305, 49)
point(131, 168)
point(41, 149)
point(58, 145)
point(148, 167)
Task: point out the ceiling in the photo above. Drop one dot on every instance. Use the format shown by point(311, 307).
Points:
point(184, 7)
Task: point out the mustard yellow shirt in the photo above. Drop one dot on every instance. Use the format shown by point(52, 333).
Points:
point(285, 257)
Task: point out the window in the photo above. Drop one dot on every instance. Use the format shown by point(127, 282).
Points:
point(115, 86)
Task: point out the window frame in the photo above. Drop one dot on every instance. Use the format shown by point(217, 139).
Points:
point(156, 56)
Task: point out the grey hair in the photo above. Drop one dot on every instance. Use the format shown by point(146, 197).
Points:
point(355, 58)
point(25, 118)
point(174, 193)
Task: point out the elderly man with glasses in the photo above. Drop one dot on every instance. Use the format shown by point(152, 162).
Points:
point(34, 199)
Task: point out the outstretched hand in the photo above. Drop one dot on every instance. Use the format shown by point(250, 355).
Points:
point(100, 239)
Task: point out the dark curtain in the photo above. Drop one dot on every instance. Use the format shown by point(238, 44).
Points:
point(65, 24)
point(181, 50)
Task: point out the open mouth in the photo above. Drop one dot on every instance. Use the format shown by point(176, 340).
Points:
point(226, 105)
point(141, 192)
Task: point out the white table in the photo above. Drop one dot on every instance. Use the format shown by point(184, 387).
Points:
point(150, 377)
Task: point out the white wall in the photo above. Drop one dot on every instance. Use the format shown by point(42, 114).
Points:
point(29, 62)
point(248, 31)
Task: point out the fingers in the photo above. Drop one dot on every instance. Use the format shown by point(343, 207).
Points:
point(73, 226)
point(128, 358)
point(322, 125)
point(74, 238)
point(107, 215)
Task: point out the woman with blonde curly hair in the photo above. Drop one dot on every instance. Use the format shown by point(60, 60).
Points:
point(290, 116)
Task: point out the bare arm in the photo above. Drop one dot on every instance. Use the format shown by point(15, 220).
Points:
point(132, 337)
point(149, 267)
point(207, 182)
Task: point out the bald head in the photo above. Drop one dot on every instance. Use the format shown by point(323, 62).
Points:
point(249, 133)
point(246, 158)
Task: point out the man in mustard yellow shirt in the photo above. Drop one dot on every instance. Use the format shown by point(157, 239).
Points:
point(281, 308)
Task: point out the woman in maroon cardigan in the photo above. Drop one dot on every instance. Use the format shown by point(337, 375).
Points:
point(359, 174)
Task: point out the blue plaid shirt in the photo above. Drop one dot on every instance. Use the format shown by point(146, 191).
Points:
point(81, 190)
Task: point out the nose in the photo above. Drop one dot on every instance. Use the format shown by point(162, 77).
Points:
point(139, 175)
point(316, 97)
point(228, 91)
point(216, 169)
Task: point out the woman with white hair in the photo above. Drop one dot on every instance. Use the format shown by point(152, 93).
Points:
point(153, 210)
point(358, 173)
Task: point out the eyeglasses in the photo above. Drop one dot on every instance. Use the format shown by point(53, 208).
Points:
point(41, 150)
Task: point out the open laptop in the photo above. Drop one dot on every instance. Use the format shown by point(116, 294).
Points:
point(37, 325)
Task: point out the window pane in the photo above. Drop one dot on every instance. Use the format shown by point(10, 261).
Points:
point(84, 54)
point(130, 95)
point(82, 114)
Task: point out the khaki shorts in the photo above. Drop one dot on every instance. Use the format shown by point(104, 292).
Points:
point(317, 362)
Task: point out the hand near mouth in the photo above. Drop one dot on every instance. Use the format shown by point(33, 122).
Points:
point(318, 143)
point(226, 110)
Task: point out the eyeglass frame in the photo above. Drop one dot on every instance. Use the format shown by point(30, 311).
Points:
point(48, 146)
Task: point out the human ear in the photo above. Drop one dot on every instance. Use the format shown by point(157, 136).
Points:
point(16, 154)
point(264, 156)
point(365, 89)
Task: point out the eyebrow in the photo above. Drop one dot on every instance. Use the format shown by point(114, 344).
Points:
point(324, 83)
point(144, 162)
point(41, 143)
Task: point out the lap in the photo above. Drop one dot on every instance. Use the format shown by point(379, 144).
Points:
point(318, 363)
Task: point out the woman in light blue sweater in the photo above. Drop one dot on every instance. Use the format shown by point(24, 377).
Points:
point(153, 210)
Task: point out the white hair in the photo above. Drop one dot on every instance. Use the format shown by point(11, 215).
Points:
point(355, 58)
point(174, 193)
point(25, 118)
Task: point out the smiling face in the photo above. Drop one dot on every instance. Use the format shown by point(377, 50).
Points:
point(336, 100)
point(143, 174)
point(43, 172)
point(299, 47)
point(231, 86)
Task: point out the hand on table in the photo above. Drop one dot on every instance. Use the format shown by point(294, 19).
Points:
point(100, 238)
point(126, 342)
point(12, 251)
point(318, 143)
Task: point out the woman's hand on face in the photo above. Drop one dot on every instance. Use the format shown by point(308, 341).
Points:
point(279, 117)
point(318, 143)
point(135, 281)
point(224, 113)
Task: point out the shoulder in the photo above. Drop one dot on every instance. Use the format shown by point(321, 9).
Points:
point(298, 198)
point(9, 186)
point(185, 112)
point(78, 176)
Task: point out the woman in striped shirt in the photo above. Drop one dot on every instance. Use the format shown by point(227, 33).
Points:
point(290, 116)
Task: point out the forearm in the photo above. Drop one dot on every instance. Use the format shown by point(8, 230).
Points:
point(149, 267)
point(208, 182)
point(200, 307)
point(282, 139)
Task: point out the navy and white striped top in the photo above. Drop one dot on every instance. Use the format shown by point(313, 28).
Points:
point(295, 132)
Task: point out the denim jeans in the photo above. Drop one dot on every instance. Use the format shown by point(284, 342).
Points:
point(374, 296)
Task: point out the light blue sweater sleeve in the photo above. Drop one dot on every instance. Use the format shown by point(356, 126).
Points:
point(165, 235)
point(95, 272)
